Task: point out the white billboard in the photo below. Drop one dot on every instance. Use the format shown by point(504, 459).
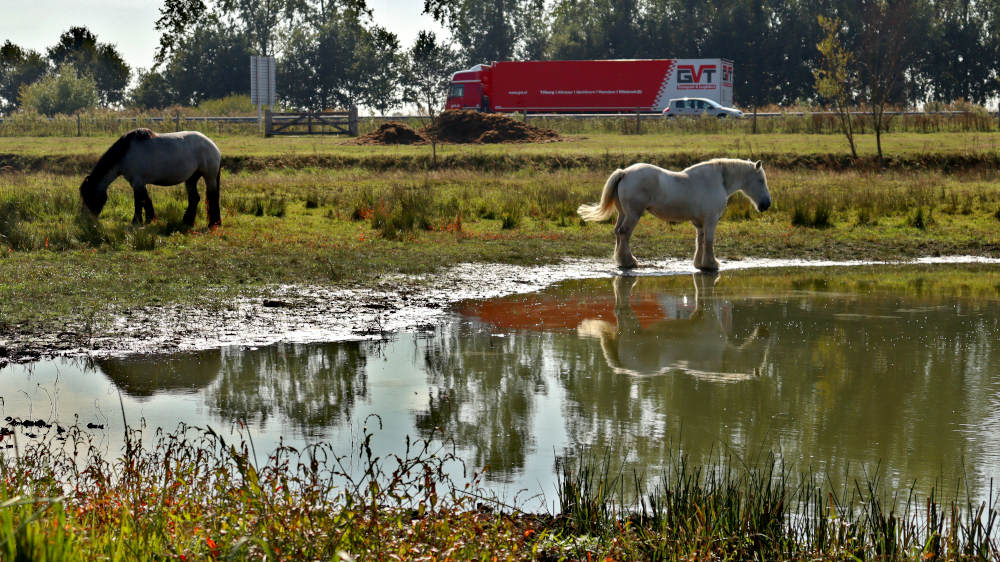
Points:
point(262, 81)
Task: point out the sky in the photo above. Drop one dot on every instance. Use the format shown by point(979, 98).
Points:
point(129, 24)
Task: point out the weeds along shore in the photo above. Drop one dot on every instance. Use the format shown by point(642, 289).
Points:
point(194, 494)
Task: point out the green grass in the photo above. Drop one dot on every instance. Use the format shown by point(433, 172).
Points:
point(351, 226)
point(193, 494)
point(736, 144)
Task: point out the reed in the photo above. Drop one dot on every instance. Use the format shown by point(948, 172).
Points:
point(194, 493)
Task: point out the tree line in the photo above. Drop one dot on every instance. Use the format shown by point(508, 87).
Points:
point(333, 53)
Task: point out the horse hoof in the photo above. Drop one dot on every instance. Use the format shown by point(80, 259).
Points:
point(631, 265)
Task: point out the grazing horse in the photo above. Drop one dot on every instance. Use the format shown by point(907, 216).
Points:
point(697, 194)
point(145, 157)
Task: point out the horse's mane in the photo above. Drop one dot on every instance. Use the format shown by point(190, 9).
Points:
point(118, 150)
point(727, 162)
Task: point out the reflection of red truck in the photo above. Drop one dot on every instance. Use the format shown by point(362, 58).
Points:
point(589, 85)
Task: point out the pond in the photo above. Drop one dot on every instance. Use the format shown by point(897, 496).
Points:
point(882, 370)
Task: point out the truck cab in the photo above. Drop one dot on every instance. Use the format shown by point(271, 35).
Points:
point(467, 91)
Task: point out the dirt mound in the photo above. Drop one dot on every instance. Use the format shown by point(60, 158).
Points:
point(466, 126)
point(392, 133)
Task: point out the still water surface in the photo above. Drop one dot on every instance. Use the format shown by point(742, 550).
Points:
point(892, 371)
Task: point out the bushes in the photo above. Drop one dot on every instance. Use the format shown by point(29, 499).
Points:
point(63, 92)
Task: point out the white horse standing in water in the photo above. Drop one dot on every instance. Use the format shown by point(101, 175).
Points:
point(697, 194)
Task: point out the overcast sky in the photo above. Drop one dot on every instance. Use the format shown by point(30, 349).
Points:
point(129, 24)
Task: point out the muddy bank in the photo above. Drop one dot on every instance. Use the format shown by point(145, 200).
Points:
point(304, 314)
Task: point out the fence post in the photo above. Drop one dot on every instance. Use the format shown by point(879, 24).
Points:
point(352, 120)
point(177, 121)
point(267, 123)
point(78, 128)
point(638, 125)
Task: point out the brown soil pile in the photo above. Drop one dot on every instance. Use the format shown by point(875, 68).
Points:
point(466, 126)
point(392, 133)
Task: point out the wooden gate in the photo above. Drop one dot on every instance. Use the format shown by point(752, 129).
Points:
point(312, 123)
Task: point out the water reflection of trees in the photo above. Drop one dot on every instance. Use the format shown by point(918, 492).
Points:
point(839, 379)
point(481, 393)
point(311, 387)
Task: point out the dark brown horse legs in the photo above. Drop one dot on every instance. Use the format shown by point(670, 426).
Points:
point(192, 211)
point(212, 194)
point(142, 202)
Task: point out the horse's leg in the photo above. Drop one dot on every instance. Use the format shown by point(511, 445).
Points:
point(708, 261)
point(192, 188)
point(624, 314)
point(142, 202)
point(150, 213)
point(699, 244)
point(137, 199)
point(212, 196)
point(623, 232)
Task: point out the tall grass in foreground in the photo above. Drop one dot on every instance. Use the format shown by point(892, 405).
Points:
point(194, 494)
point(760, 509)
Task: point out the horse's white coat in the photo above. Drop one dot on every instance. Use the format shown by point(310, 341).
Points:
point(697, 194)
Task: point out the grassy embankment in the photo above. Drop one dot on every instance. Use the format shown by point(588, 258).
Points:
point(308, 210)
point(191, 495)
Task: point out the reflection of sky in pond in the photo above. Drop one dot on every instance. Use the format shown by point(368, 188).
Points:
point(837, 371)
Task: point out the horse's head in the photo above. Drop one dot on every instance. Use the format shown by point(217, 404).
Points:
point(755, 186)
point(93, 197)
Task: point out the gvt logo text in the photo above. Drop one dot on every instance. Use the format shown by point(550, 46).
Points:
point(691, 74)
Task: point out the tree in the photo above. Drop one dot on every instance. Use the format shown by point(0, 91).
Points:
point(64, 91)
point(261, 19)
point(177, 18)
point(18, 68)
point(835, 76)
point(79, 48)
point(212, 61)
point(960, 58)
point(490, 30)
point(153, 91)
point(888, 31)
point(340, 62)
point(431, 63)
point(576, 32)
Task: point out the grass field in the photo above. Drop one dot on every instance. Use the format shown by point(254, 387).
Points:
point(738, 144)
point(326, 224)
point(316, 211)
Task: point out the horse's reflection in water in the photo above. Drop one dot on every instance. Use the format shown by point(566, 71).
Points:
point(693, 337)
point(142, 376)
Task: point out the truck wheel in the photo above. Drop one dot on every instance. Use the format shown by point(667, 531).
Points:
point(722, 116)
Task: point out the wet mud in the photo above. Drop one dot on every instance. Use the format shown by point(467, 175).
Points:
point(308, 314)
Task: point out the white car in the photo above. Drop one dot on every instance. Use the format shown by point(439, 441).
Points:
point(684, 107)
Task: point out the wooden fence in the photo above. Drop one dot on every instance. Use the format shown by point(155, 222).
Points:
point(312, 123)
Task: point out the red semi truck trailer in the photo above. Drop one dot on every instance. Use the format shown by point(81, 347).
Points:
point(581, 86)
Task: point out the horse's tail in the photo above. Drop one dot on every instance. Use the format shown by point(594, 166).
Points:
point(606, 207)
